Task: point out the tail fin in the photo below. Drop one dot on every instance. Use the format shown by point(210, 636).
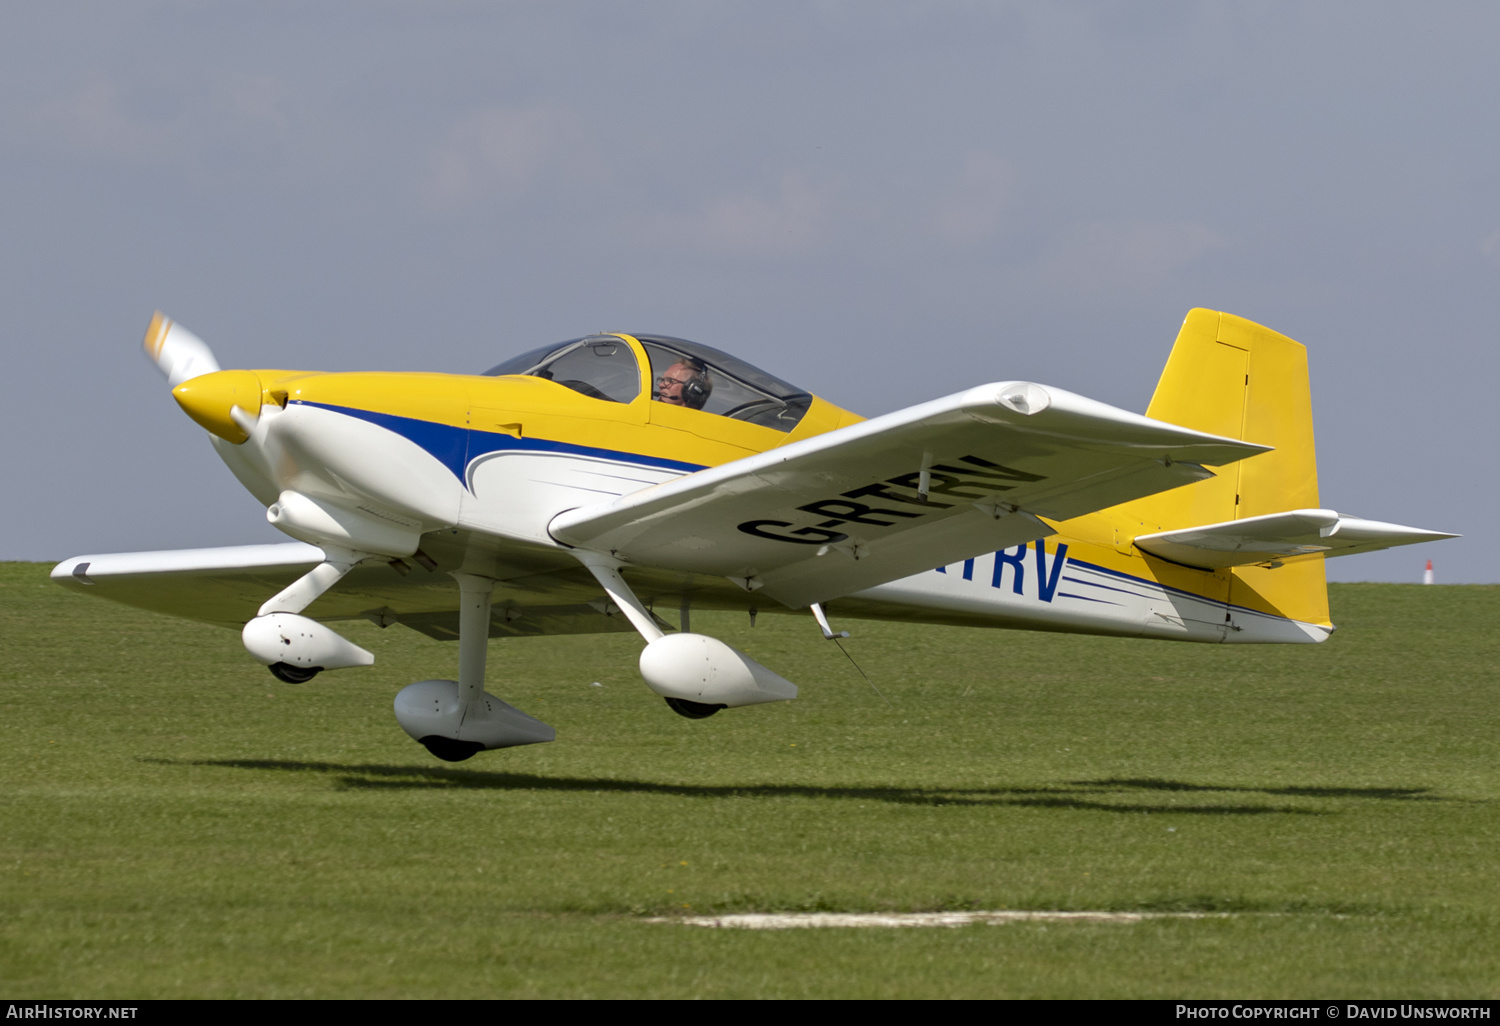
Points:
point(1229, 376)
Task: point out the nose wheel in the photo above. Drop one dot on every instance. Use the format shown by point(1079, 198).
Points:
point(693, 710)
point(451, 749)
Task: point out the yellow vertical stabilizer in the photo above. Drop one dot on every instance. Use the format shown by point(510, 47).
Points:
point(1232, 377)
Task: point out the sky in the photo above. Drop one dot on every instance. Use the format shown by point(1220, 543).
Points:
point(880, 202)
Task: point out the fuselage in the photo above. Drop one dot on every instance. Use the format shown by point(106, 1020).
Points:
point(467, 471)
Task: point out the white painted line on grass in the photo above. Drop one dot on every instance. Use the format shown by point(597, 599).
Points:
point(814, 920)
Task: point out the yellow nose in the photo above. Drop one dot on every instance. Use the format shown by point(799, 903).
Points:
point(209, 398)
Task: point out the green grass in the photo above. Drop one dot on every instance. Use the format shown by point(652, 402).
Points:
point(176, 823)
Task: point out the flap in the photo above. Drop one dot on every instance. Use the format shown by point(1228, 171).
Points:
point(1279, 537)
point(889, 497)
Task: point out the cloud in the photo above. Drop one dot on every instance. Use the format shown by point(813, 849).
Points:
point(795, 215)
point(257, 99)
point(93, 119)
point(1491, 245)
point(971, 211)
point(1133, 254)
point(227, 114)
point(503, 152)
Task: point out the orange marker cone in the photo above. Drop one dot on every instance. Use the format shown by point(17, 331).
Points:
point(1427, 574)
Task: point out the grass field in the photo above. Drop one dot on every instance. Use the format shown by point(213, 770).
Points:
point(178, 824)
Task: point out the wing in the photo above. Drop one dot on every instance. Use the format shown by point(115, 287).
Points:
point(226, 586)
point(223, 586)
point(1279, 537)
point(892, 496)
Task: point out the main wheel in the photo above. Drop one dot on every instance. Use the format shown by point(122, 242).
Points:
point(451, 749)
point(293, 674)
point(693, 710)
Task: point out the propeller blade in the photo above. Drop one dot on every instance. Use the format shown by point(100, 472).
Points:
point(179, 353)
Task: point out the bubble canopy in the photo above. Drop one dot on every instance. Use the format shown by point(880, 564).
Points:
point(605, 367)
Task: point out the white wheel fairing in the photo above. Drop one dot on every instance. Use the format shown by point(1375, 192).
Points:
point(301, 642)
point(705, 670)
point(434, 707)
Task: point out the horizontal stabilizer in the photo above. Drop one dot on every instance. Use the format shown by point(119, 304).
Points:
point(1279, 537)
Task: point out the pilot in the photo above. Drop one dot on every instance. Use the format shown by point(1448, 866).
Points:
point(685, 383)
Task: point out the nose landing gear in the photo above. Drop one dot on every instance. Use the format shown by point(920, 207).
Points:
point(456, 719)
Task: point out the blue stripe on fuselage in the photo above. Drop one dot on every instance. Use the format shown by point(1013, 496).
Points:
point(1121, 577)
point(456, 447)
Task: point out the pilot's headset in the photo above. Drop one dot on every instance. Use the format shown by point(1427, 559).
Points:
point(697, 389)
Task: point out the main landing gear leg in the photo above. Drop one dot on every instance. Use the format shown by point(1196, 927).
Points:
point(696, 674)
point(296, 648)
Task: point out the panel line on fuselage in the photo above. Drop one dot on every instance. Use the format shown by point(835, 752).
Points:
point(1134, 586)
point(1155, 586)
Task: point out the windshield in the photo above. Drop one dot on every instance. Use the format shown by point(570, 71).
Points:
point(600, 367)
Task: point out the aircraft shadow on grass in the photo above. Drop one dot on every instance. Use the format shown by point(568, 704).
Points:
point(1087, 795)
point(1406, 794)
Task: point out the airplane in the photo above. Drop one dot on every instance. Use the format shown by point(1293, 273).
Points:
point(590, 486)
